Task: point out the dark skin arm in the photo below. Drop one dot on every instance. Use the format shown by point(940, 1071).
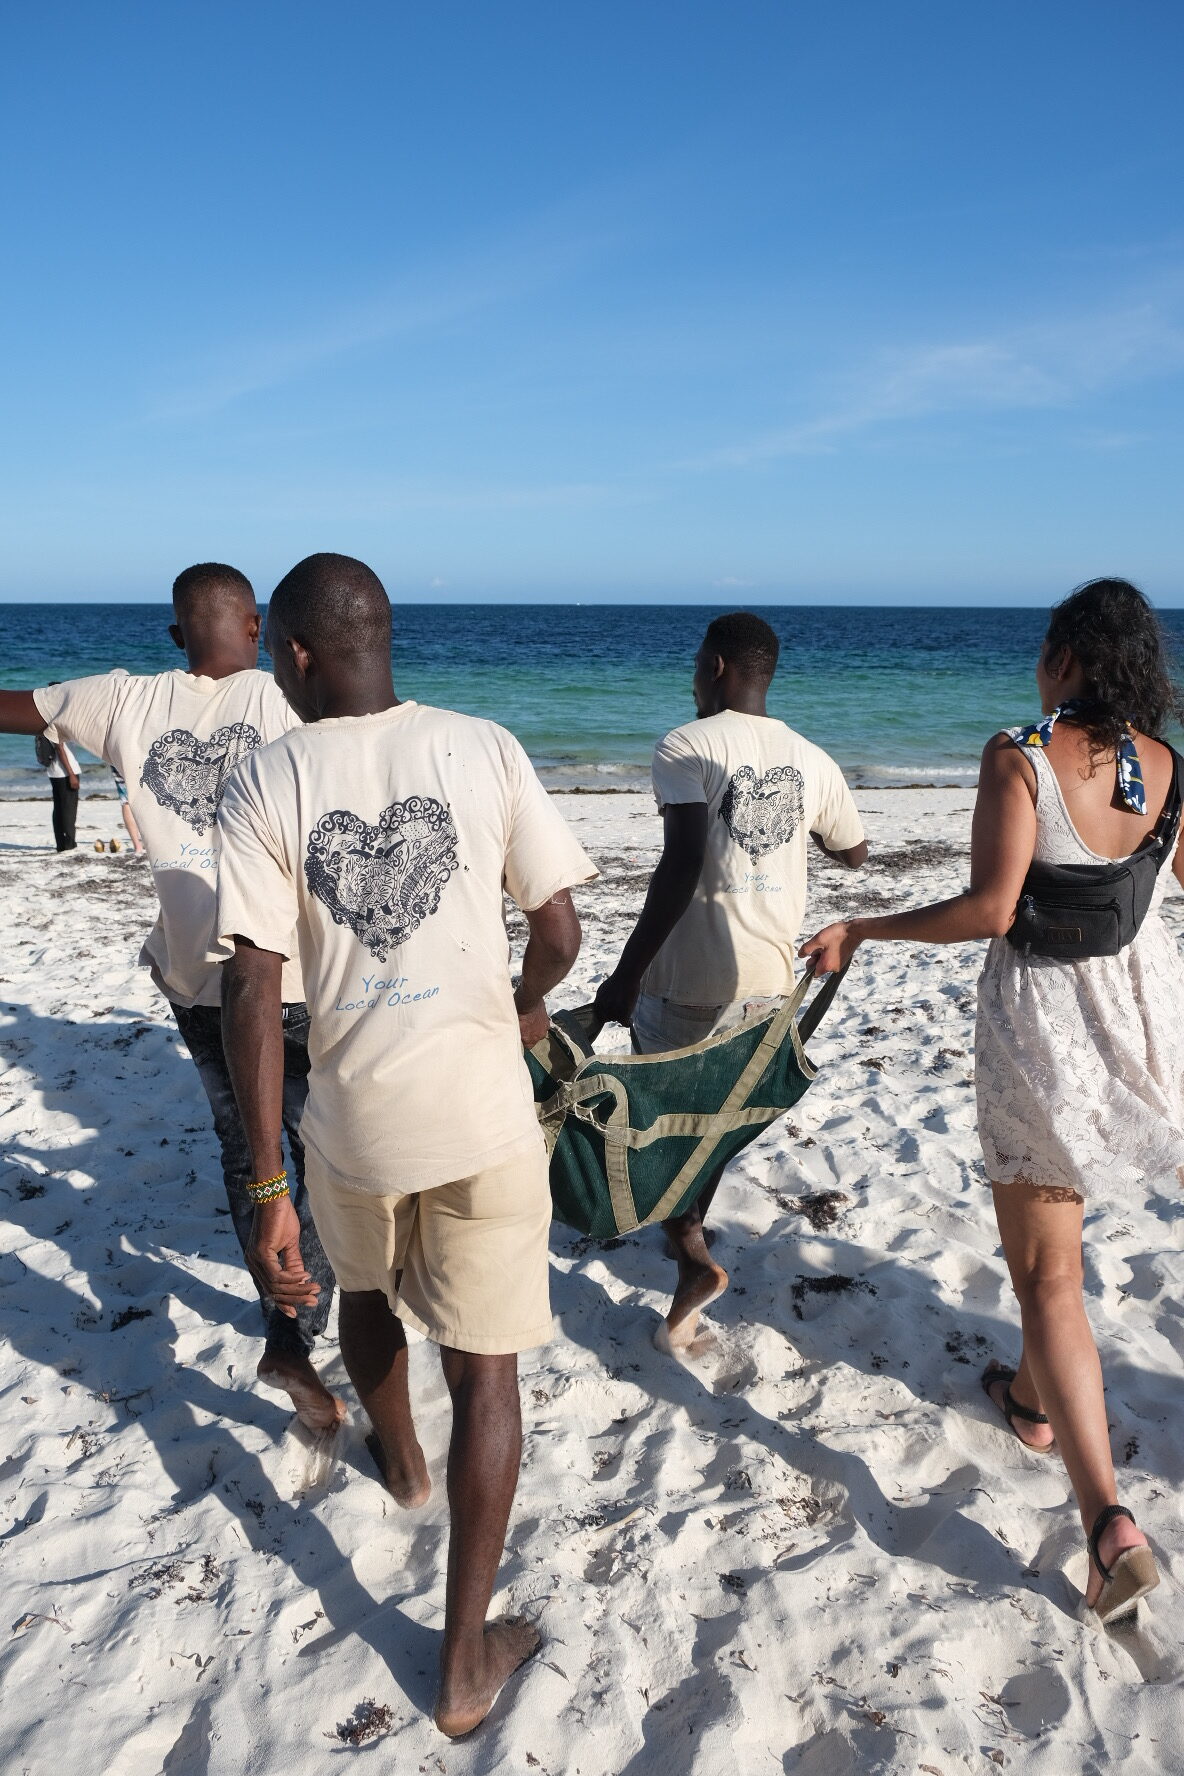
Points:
point(19, 714)
point(672, 888)
point(1002, 841)
point(551, 949)
point(252, 1032)
point(71, 776)
point(855, 856)
point(253, 1036)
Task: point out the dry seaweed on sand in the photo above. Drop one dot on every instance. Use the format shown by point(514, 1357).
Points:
point(821, 1208)
point(369, 1720)
point(918, 854)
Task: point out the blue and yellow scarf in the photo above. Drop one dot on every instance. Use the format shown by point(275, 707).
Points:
point(1130, 771)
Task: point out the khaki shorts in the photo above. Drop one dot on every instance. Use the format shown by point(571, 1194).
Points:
point(660, 1025)
point(473, 1254)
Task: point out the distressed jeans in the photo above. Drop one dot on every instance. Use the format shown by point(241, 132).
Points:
point(201, 1030)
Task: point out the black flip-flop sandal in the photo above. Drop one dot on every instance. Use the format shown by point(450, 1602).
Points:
point(1133, 1574)
point(1012, 1408)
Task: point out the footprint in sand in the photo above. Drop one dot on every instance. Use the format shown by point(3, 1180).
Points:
point(735, 1369)
point(672, 1345)
point(316, 1457)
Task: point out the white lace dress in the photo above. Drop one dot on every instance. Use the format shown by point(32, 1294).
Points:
point(1079, 1066)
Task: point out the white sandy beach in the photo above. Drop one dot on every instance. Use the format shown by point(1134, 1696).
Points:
point(811, 1547)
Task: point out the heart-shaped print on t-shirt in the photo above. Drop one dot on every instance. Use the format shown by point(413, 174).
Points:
point(188, 775)
point(383, 881)
point(763, 813)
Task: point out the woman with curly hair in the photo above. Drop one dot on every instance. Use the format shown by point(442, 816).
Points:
point(1079, 1055)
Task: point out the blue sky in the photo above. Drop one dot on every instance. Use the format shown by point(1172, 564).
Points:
point(742, 303)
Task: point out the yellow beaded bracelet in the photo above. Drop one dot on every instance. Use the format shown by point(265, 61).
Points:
point(269, 1189)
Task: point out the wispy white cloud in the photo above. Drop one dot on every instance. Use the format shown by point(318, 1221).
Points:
point(481, 275)
point(1045, 365)
point(368, 498)
point(1113, 438)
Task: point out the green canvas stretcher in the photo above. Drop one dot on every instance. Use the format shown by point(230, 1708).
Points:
point(633, 1139)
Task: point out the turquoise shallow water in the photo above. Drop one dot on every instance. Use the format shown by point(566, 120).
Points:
point(897, 694)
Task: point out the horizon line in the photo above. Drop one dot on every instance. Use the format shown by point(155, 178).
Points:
point(165, 603)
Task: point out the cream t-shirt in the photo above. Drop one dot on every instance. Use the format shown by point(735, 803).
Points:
point(766, 789)
point(387, 841)
point(174, 738)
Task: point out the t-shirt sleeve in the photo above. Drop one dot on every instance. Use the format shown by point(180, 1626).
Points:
point(677, 772)
point(82, 709)
point(256, 893)
point(837, 821)
point(543, 855)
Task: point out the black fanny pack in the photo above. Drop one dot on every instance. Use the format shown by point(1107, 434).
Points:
point(1073, 910)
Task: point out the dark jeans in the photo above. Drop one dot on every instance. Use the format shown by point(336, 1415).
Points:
point(201, 1028)
point(65, 813)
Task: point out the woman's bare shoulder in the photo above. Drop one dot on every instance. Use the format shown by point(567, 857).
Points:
point(1004, 765)
point(1002, 746)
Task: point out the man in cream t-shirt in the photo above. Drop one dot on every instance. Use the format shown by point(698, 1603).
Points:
point(384, 834)
point(174, 737)
point(741, 795)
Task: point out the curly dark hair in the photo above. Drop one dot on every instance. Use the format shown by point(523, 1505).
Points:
point(1116, 637)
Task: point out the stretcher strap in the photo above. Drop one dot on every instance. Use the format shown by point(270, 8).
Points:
point(780, 1026)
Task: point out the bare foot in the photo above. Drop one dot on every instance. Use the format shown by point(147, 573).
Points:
point(1115, 1539)
point(315, 1406)
point(1032, 1436)
point(469, 1690)
point(407, 1481)
point(698, 1285)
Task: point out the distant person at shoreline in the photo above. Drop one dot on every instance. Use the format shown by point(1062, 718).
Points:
point(174, 737)
point(129, 819)
point(738, 792)
point(1079, 1044)
point(64, 773)
point(380, 838)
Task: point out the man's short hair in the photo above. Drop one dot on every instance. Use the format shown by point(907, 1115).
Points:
point(744, 641)
point(207, 584)
point(334, 604)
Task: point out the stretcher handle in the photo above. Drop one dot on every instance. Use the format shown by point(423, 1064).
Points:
point(585, 1015)
point(821, 1002)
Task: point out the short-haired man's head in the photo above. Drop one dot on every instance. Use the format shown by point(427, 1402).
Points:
point(208, 587)
point(745, 643)
point(333, 606)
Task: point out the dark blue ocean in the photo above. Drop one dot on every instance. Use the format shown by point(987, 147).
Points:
point(897, 694)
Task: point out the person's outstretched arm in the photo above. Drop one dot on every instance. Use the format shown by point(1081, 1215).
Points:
point(1003, 839)
point(551, 950)
point(19, 714)
point(253, 1037)
point(671, 891)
